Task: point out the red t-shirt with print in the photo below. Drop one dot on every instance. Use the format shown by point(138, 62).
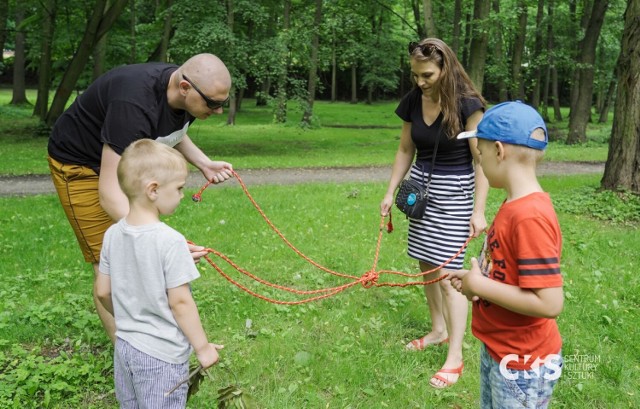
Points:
point(523, 249)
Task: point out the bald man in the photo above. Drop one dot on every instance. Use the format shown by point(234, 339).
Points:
point(155, 101)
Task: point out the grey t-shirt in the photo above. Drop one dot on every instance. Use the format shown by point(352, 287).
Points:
point(144, 262)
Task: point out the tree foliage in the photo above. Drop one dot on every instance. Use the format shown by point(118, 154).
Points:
point(546, 52)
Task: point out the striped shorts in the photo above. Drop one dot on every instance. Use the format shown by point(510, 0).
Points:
point(142, 380)
point(444, 229)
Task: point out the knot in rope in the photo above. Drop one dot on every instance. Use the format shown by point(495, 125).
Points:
point(369, 279)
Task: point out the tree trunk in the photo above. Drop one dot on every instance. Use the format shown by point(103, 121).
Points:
point(4, 17)
point(555, 98)
point(97, 26)
point(354, 84)
point(517, 83)
point(503, 94)
point(313, 65)
point(233, 94)
point(555, 94)
point(457, 19)
point(606, 105)
point(622, 170)
point(544, 101)
point(581, 111)
point(44, 72)
point(19, 90)
point(537, 63)
point(334, 69)
point(466, 41)
point(99, 55)
point(100, 52)
point(415, 7)
point(133, 47)
point(479, 41)
point(280, 110)
point(429, 25)
point(167, 31)
point(581, 26)
point(161, 51)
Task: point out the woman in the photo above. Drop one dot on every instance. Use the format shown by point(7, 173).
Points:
point(443, 104)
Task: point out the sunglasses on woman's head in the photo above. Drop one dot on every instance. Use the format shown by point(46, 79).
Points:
point(211, 103)
point(426, 49)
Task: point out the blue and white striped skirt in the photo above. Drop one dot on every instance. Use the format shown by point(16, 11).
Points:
point(445, 226)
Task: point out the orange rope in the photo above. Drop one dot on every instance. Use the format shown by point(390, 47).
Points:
point(367, 280)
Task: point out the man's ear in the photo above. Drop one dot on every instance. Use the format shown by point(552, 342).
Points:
point(151, 190)
point(184, 86)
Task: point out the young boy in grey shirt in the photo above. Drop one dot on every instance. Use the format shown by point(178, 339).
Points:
point(146, 268)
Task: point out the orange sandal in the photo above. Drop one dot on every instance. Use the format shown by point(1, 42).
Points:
point(447, 382)
point(421, 343)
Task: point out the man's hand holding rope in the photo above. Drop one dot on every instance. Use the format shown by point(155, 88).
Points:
point(217, 171)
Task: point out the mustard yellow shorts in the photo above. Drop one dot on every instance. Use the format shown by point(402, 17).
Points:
point(77, 188)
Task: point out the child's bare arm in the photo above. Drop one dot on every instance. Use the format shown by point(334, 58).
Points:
point(186, 314)
point(542, 302)
point(102, 289)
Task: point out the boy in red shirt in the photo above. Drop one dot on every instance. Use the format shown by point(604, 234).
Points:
point(516, 286)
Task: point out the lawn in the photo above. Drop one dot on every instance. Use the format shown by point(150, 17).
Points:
point(342, 352)
point(346, 135)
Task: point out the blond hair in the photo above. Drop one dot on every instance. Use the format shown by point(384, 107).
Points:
point(146, 160)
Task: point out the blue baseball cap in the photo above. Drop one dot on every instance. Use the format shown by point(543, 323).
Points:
point(510, 122)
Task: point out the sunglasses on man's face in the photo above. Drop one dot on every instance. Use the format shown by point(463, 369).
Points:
point(211, 103)
point(426, 49)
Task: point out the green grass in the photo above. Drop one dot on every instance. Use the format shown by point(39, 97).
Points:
point(343, 352)
point(345, 135)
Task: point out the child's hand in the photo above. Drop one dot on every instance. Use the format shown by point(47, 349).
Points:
point(208, 356)
point(462, 280)
point(455, 277)
point(197, 252)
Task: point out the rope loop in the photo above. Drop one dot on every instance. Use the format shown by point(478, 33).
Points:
point(369, 279)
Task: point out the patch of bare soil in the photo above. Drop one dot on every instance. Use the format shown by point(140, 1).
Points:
point(41, 184)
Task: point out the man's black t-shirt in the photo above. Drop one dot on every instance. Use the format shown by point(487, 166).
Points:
point(123, 105)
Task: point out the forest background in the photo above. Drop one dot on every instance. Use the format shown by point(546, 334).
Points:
point(547, 53)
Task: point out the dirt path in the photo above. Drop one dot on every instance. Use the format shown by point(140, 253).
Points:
point(41, 184)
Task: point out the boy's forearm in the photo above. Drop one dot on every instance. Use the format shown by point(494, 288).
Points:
point(102, 289)
point(521, 300)
point(186, 314)
point(107, 304)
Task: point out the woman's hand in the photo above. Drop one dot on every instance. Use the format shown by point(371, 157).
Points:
point(477, 224)
point(385, 205)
